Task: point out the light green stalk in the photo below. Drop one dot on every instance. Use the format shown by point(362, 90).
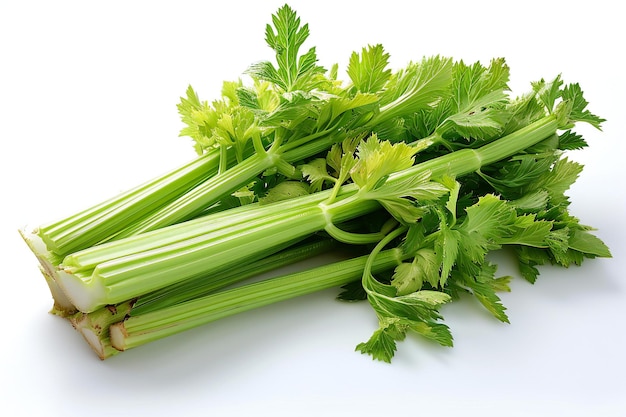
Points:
point(144, 328)
point(97, 223)
point(225, 183)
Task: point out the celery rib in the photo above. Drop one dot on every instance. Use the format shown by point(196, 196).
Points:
point(141, 329)
point(95, 224)
point(127, 277)
point(204, 195)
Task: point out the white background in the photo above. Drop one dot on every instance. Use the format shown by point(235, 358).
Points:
point(87, 109)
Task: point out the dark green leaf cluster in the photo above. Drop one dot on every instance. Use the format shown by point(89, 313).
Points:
point(519, 203)
point(446, 255)
point(383, 121)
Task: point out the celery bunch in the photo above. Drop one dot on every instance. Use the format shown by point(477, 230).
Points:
point(426, 170)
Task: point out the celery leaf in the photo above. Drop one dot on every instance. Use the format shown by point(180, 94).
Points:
point(579, 112)
point(315, 172)
point(294, 71)
point(368, 71)
point(377, 159)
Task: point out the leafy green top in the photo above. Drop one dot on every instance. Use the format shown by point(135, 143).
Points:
point(384, 121)
point(520, 204)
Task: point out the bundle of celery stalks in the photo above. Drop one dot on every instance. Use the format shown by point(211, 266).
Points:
point(415, 175)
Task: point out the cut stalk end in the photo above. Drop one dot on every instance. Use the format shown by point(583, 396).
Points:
point(118, 336)
point(94, 341)
point(85, 296)
point(62, 306)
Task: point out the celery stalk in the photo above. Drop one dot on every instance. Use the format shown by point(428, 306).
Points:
point(148, 327)
point(194, 202)
point(95, 224)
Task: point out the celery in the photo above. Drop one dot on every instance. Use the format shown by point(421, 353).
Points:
point(266, 227)
point(459, 168)
point(143, 328)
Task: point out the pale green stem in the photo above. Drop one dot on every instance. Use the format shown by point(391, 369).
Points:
point(93, 225)
point(138, 330)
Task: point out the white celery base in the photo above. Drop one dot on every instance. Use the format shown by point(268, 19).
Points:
point(62, 304)
point(86, 296)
